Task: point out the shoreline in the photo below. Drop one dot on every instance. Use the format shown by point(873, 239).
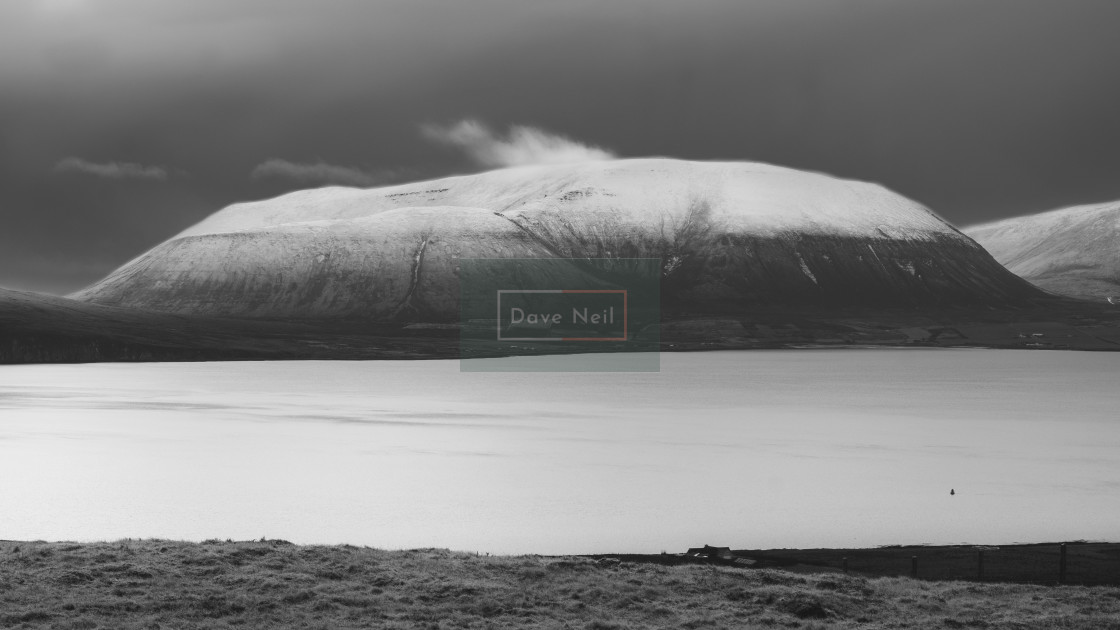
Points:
point(42, 329)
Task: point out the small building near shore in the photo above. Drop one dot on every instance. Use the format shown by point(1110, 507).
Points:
point(712, 553)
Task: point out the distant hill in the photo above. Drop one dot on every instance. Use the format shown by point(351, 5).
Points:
point(1072, 251)
point(730, 236)
point(753, 256)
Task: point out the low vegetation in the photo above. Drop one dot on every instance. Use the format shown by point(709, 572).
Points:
point(273, 584)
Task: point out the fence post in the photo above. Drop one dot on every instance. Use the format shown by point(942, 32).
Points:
point(845, 564)
point(913, 566)
point(1062, 564)
point(980, 565)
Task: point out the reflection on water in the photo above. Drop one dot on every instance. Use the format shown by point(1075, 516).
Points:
point(747, 449)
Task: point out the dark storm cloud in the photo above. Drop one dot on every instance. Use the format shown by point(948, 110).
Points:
point(522, 145)
point(111, 170)
point(977, 109)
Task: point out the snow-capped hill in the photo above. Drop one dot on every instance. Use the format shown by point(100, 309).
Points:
point(1071, 251)
point(759, 197)
point(731, 235)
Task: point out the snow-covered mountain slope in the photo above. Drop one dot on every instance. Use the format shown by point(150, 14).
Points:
point(730, 235)
point(1071, 251)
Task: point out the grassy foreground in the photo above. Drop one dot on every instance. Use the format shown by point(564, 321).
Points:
point(274, 584)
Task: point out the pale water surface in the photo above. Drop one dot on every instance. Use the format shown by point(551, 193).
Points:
point(746, 449)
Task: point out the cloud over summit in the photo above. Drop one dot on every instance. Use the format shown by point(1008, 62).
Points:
point(318, 173)
point(522, 145)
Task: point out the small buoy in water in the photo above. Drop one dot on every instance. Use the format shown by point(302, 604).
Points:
point(952, 492)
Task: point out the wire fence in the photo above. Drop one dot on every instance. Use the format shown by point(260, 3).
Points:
point(1075, 563)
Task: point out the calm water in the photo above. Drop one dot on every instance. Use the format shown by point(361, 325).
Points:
point(746, 449)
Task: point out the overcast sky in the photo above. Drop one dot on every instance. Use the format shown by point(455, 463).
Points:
point(122, 122)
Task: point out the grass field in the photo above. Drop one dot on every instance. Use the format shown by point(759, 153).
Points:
point(273, 584)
